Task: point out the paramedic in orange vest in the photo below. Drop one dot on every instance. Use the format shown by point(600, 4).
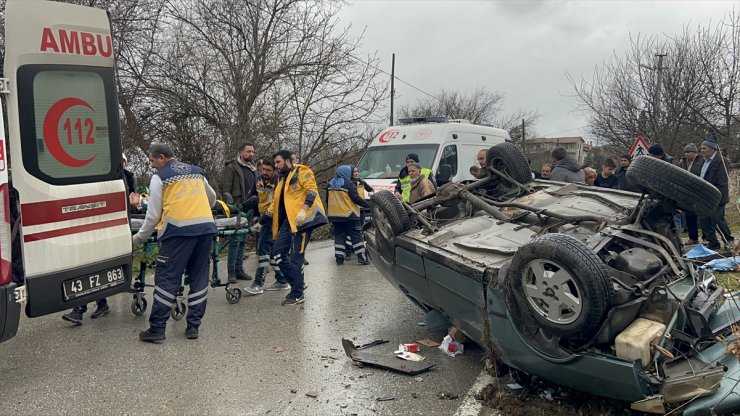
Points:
point(180, 208)
point(343, 204)
point(296, 211)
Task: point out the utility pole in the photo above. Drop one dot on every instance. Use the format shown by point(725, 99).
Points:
point(524, 139)
point(393, 78)
point(658, 90)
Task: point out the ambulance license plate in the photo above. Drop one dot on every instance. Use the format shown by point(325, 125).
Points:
point(82, 286)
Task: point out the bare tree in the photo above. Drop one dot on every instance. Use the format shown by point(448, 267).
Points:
point(699, 93)
point(481, 106)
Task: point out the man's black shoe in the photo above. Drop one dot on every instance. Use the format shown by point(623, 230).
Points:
point(339, 261)
point(243, 276)
point(74, 316)
point(153, 337)
point(191, 332)
point(293, 301)
point(232, 277)
point(362, 259)
point(100, 311)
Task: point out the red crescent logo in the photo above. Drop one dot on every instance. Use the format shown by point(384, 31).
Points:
point(51, 131)
point(388, 136)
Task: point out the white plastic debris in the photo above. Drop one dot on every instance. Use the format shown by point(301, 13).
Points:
point(450, 346)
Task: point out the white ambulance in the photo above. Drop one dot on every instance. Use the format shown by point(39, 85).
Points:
point(447, 147)
point(65, 146)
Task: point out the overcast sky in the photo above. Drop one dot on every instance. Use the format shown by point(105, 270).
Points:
point(520, 48)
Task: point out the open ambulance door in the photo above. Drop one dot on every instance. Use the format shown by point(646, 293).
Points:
point(65, 150)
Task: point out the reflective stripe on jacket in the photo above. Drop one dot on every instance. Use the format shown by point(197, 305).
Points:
point(406, 183)
point(301, 188)
point(185, 207)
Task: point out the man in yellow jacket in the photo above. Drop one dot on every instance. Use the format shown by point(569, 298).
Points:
point(296, 211)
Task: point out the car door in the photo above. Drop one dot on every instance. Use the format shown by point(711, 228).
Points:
point(65, 150)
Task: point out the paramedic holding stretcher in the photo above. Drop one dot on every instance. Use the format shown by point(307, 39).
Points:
point(180, 207)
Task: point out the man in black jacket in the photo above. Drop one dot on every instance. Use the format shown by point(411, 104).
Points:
point(713, 171)
point(692, 162)
point(239, 182)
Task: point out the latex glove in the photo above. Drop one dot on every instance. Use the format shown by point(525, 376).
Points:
point(135, 240)
point(301, 217)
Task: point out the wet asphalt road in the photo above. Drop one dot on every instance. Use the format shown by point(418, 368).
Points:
point(52, 367)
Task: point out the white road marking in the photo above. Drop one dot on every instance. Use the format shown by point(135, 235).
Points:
point(470, 406)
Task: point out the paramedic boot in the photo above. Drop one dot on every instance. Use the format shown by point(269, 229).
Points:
point(150, 336)
point(362, 259)
point(191, 332)
point(74, 316)
point(232, 277)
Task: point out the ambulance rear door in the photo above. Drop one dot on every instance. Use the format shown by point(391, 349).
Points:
point(65, 153)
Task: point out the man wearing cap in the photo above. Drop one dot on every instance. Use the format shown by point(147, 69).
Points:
point(692, 163)
point(657, 152)
point(403, 185)
point(713, 171)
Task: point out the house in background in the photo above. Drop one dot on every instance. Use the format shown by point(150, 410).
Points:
point(538, 150)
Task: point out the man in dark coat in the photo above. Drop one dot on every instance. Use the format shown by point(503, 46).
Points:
point(713, 171)
point(692, 162)
point(566, 168)
point(239, 181)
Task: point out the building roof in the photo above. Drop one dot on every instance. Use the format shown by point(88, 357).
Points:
point(557, 140)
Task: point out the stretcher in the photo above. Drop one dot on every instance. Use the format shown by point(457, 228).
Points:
point(229, 228)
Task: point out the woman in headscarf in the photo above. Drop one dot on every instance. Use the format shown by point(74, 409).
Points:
point(363, 189)
point(344, 214)
point(420, 186)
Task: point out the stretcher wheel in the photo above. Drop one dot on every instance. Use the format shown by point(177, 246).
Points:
point(138, 305)
point(233, 294)
point(179, 310)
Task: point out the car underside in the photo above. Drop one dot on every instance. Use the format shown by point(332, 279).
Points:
point(585, 287)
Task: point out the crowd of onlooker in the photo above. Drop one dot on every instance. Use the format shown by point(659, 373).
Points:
point(704, 161)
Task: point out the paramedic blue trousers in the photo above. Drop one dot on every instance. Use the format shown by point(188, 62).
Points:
point(178, 255)
point(264, 257)
point(289, 251)
point(345, 231)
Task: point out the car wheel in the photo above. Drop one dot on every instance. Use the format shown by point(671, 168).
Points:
point(390, 219)
point(689, 191)
point(557, 288)
point(507, 158)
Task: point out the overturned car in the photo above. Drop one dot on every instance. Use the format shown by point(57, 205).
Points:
point(585, 287)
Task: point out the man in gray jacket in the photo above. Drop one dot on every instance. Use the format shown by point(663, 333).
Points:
point(565, 168)
point(239, 180)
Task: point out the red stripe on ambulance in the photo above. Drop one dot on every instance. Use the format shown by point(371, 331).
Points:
point(36, 213)
point(76, 42)
point(74, 230)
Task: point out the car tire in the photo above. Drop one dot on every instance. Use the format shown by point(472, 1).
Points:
point(507, 158)
point(557, 288)
point(687, 190)
point(390, 219)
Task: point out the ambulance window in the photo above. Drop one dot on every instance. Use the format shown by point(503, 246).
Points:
point(69, 123)
point(449, 157)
